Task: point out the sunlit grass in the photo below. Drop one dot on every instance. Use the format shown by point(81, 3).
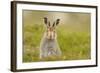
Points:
point(74, 43)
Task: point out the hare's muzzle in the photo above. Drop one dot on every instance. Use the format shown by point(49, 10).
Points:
point(50, 34)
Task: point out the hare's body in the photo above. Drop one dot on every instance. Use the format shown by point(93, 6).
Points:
point(49, 48)
point(49, 45)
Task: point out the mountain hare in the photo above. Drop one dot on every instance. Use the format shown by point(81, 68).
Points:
point(49, 45)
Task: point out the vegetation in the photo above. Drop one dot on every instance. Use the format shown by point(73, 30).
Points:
point(73, 35)
point(73, 43)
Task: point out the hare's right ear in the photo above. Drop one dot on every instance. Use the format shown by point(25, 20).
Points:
point(45, 20)
point(57, 21)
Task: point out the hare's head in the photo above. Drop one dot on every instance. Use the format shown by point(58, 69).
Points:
point(50, 31)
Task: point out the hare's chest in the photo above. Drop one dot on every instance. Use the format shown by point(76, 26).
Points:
point(50, 44)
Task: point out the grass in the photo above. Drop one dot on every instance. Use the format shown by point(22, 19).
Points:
point(74, 43)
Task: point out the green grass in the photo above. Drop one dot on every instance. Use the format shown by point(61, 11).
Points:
point(74, 43)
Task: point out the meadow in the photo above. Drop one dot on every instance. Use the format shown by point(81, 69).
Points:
point(73, 44)
point(74, 41)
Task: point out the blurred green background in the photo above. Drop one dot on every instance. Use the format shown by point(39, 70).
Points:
point(73, 34)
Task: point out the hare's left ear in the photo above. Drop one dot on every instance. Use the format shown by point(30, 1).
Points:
point(57, 21)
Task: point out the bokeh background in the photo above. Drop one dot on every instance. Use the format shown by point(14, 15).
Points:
point(74, 35)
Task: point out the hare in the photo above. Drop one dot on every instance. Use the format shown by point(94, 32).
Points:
point(49, 45)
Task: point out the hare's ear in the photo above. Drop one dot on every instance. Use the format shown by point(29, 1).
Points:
point(48, 24)
point(45, 20)
point(57, 21)
point(53, 24)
